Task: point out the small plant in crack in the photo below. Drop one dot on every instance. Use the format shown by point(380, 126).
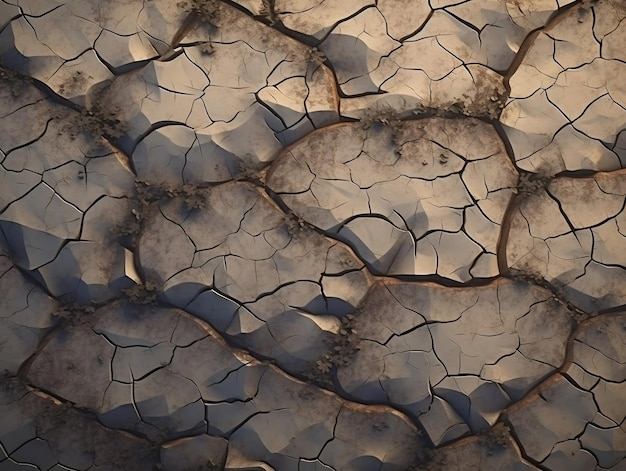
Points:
point(532, 183)
point(96, 121)
point(148, 193)
point(315, 56)
point(559, 293)
point(72, 312)
point(146, 293)
point(295, 224)
point(207, 11)
point(462, 105)
point(128, 230)
point(341, 349)
point(489, 106)
point(495, 439)
point(495, 105)
point(527, 276)
point(192, 195)
point(384, 117)
point(131, 226)
point(560, 296)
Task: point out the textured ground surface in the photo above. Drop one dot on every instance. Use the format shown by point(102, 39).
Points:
point(313, 235)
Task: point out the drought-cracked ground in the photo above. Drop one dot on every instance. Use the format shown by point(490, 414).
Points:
point(313, 235)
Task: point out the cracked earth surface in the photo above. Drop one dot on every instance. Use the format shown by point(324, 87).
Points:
point(313, 235)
